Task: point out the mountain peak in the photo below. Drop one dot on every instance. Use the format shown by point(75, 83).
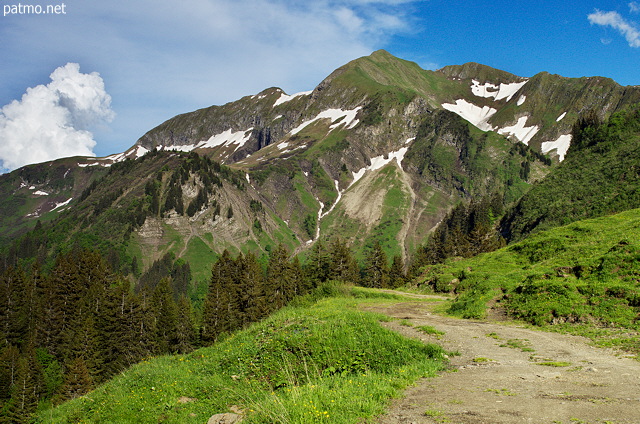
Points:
point(479, 72)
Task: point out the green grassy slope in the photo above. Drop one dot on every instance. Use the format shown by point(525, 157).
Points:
point(599, 176)
point(585, 275)
point(320, 361)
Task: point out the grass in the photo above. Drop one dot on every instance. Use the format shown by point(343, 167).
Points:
point(320, 361)
point(581, 278)
point(427, 329)
point(521, 344)
point(556, 364)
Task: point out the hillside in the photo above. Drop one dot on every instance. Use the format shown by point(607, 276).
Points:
point(582, 278)
point(598, 177)
point(320, 361)
point(406, 143)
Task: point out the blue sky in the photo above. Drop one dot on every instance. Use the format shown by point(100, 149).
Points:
point(142, 62)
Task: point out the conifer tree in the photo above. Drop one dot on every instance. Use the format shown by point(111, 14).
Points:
point(24, 397)
point(85, 344)
point(9, 358)
point(281, 281)
point(77, 380)
point(14, 314)
point(166, 316)
point(185, 328)
point(342, 264)
point(302, 284)
point(317, 267)
point(376, 268)
point(74, 274)
point(215, 319)
point(397, 276)
point(247, 291)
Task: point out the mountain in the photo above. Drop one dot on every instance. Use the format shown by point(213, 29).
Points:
point(378, 152)
point(383, 163)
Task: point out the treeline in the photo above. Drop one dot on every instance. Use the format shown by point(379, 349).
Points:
point(64, 331)
point(75, 327)
point(466, 231)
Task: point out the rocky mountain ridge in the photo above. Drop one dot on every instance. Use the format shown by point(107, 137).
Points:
point(378, 152)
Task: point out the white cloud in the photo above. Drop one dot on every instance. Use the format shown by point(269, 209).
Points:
point(614, 20)
point(162, 57)
point(634, 7)
point(53, 121)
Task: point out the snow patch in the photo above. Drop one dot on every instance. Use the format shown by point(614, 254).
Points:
point(503, 91)
point(227, 137)
point(65, 203)
point(520, 130)
point(285, 97)
point(334, 115)
point(320, 215)
point(141, 151)
point(561, 145)
point(282, 145)
point(180, 148)
point(41, 193)
point(561, 116)
point(248, 179)
point(521, 100)
point(380, 161)
point(477, 115)
point(118, 157)
point(334, 203)
point(277, 117)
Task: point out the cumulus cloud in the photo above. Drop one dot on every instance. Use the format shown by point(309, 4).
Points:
point(53, 121)
point(212, 51)
point(616, 21)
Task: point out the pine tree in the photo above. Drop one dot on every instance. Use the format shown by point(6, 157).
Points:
point(9, 358)
point(166, 316)
point(185, 328)
point(248, 291)
point(281, 283)
point(77, 380)
point(343, 266)
point(317, 267)
point(215, 319)
point(397, 276)
point(376, 268)
point(24, 397)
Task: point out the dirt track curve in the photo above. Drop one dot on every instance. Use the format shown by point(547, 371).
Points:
point(507, 374)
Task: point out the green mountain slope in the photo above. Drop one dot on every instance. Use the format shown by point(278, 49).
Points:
point(321, 361)
point(585, 274)
point(369, 155)
point(599, 176)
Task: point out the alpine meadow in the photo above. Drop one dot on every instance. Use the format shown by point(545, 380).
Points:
point(231, 260)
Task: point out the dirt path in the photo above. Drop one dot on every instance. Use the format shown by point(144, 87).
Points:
point(499, 376)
